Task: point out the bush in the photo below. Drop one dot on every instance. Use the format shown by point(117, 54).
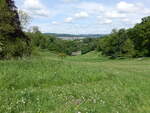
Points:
point(15, 49)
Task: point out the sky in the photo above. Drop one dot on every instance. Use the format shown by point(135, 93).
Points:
point(84, 16)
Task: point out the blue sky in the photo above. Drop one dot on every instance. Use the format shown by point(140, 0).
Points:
point(84, 16)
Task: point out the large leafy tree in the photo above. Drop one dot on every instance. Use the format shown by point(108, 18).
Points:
point(13, 41)
point(140, 35)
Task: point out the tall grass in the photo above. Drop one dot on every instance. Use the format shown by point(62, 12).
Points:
point(80, 84)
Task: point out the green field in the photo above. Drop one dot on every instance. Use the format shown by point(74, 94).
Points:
point(82, 84)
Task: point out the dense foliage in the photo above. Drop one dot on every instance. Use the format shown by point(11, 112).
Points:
point(13, 42)
point(133, 42)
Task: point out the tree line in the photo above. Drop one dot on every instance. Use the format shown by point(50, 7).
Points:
point(133, 42)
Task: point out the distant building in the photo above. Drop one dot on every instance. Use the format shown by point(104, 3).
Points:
point(76, 53)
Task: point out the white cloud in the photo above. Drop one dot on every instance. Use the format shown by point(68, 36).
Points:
point(35, 8)
point(115, 14)
point(133, 8)
point(32, 4)
point(106, 21)
point(81, 15)
point(68, 20)
point(129, 7)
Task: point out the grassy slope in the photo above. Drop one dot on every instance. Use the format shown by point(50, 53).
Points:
point(86, 84)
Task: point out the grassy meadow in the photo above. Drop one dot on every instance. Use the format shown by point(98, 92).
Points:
point(89, 83)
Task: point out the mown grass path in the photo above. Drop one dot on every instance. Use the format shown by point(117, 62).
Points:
point(82, 84)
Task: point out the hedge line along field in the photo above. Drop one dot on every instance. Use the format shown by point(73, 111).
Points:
point(82, 84)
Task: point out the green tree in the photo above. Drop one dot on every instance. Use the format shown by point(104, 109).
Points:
point(11, 34)
point(140, 36)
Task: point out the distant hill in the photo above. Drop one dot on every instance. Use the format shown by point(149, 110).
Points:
point(74, 36)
